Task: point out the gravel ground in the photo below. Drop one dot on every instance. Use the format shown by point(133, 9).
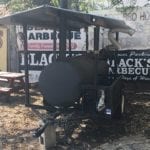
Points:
point(137, 142)
point(132, 132)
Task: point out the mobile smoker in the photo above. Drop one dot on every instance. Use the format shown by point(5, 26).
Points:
point(78, 79)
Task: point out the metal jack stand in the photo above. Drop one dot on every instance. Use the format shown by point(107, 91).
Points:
point(46, 134)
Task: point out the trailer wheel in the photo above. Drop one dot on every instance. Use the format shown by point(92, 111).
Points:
point(118, 114)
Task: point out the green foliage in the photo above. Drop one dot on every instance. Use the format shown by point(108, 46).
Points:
point(4, 1)
point(55, 3)
point(116, 2)
point(127, 9)
point(80, 5)
point(85, 5)
point(18, 5)
point(40, 2)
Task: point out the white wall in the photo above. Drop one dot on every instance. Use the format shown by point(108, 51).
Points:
point(138, 19)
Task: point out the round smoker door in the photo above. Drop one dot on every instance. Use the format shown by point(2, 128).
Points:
point(59, 84)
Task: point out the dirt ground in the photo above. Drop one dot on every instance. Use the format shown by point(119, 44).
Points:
point(78, 131)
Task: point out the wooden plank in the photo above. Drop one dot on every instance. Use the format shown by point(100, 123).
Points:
point(11, 75)
point(3, 80)
point(5, 90)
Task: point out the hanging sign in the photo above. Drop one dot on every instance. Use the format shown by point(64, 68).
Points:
point(130, 64)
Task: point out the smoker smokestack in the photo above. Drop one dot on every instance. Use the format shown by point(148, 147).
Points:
point(113, 40)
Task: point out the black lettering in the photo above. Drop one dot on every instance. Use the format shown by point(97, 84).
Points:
point(77, 35)
point(134, 16)
point(142, 16)
point(45, 36)
point(31, 36)
point(38, 36)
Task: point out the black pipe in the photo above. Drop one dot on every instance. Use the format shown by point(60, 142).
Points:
point(87, 39)
point(63, 31)
point(27, 101)
point(117, 36)
point(54, 45)
point(96, 48)
point(70, 43)
point(63, 36)
point(96, 38)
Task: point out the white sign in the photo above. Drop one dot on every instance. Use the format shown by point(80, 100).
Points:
point(40, 46)
point(41, 39)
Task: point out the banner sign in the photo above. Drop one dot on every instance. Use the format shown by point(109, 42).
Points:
point(40, 46)
point(42, 39)
point(130, 64)
point(38, 60)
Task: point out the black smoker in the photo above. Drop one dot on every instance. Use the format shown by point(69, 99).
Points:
point(85, 77)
